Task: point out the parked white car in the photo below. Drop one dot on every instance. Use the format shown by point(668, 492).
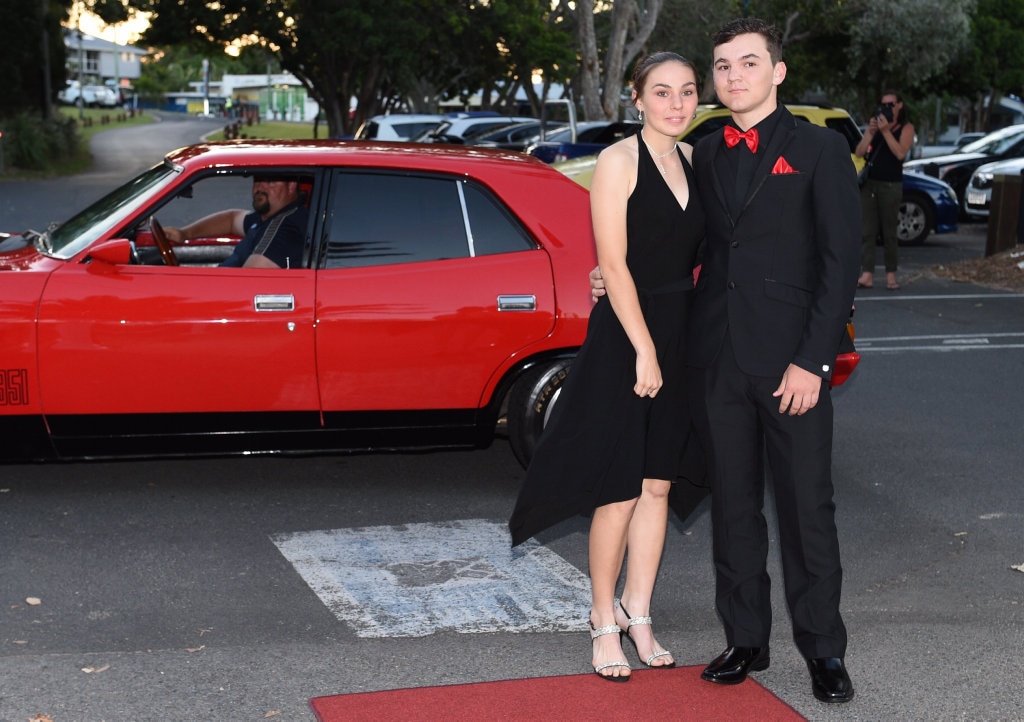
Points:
point(979, 189)
point(397, 126)
point(464, 130)
point(93, 96)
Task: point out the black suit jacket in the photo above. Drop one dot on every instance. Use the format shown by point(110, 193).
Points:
point(779, 277)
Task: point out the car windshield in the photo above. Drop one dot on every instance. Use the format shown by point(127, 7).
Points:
point(994, 143)
point(66, 239)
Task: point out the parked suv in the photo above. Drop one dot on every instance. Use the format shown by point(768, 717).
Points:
point(462, 131)
point(397, 126)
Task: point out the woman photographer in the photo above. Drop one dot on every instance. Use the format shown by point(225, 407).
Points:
point(885, 145)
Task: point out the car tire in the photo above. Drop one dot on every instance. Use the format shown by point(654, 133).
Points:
point(530, 403)
point(916, 219)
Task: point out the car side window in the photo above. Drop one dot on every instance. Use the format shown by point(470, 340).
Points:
point(494, 230)
point(384, 219)
point(848, 129)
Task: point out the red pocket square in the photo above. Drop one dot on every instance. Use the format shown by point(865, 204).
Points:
point(782, 166)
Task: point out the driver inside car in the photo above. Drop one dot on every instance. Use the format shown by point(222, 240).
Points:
point(273, 233)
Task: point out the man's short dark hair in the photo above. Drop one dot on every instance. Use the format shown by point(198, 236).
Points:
point(745, 26)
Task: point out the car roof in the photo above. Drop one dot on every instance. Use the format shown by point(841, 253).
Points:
point(995, 135)
point(405, 117)
point(312, 154)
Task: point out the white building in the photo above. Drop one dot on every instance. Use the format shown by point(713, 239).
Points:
point(279, 96)
point(101, 62)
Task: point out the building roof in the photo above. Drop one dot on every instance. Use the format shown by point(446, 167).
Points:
point(90, 42)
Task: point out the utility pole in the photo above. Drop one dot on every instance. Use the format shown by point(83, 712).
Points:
point(47, 90)
point(81, 81)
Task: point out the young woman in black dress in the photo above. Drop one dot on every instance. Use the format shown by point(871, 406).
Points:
point(616, 439)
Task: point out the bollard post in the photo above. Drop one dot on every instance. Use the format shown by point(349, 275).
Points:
point(1004, 221)
point(1020, 209)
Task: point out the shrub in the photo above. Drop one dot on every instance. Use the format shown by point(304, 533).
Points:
point(31, 143)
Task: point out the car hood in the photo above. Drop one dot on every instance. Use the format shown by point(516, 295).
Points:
point(1003, 167)
point(921, 181)
point(949, 158)
point(17, 254)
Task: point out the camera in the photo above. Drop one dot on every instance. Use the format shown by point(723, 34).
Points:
point(885, 111)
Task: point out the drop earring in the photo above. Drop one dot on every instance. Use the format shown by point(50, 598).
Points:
point(640, 116)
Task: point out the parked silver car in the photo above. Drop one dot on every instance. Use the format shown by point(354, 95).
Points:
point(979, 188)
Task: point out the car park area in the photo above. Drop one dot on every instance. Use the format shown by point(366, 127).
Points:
point(956, 168)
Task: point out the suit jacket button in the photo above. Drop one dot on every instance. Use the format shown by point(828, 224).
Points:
point(735, 244)
point(732, 284)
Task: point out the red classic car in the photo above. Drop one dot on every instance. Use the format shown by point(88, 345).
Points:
point(442, 292)
point(441, 296)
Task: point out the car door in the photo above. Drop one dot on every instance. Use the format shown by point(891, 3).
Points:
point(427, 289)
point(153, 351)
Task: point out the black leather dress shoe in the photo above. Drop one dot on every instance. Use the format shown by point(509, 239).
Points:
point(732, 665)
point(829, 680)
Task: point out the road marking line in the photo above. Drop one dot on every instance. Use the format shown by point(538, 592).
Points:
point(942, 342)
point(942, 297)
point(413, 580)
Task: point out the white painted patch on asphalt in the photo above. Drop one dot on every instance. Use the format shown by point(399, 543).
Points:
point(458, 576)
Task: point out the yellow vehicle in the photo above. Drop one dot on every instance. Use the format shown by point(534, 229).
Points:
point(711, 118)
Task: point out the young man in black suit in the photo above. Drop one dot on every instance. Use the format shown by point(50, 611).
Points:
point(775, 290)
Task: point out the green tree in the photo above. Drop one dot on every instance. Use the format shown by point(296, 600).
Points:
point(32, 58)
point(991, 64)
point(383, 53)
point(904, 44)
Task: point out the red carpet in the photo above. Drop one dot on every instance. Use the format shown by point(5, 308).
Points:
point(676, 694)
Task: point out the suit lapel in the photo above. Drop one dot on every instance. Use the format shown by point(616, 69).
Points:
point(718, 146)
point(785, 129)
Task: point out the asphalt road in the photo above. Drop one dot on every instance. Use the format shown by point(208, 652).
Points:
point(240, 588)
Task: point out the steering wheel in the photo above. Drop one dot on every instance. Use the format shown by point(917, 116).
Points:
point(163, 243)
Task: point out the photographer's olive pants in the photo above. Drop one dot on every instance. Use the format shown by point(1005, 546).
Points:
point(880, 206)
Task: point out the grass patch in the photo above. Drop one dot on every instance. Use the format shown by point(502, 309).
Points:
point(97, 120)
point(275, 130)
point(79, 160)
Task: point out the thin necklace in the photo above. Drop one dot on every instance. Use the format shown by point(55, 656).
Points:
point(657, 156)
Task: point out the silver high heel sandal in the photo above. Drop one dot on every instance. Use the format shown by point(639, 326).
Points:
point(600, 632)
point(636, 622)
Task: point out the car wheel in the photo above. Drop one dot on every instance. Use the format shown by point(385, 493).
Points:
point(530, 403)
point(916, 220)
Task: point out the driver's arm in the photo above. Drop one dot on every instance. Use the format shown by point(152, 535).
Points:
point(221, 223)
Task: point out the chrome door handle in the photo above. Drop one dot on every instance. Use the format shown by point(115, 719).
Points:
point(274, 302)
point(517, 303)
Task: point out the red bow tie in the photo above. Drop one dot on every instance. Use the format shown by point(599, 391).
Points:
point(733, 136)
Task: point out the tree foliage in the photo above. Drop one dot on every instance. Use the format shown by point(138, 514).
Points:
point(904, 44)
point(410, 54)
point(990, 66)
point(383, 53)
point(32, 57)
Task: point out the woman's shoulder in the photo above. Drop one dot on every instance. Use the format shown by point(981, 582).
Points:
point(620, 154)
